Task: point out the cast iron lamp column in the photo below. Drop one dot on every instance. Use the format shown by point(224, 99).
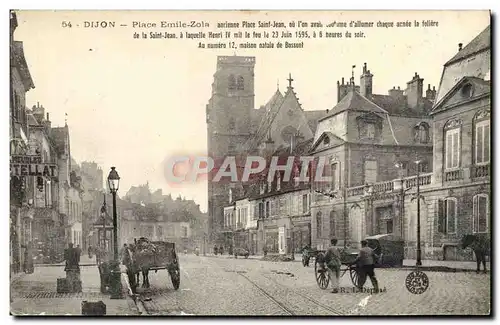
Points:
point(116, 284)
point(419, 250)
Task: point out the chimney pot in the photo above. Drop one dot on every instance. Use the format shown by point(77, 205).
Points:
point(416, 75)
point(429, 86)
point(342, 80)
point(393, 87)
point(433, 87)
point(48, 119)
point(327, 111)
point(460, 46)
point(399, 88)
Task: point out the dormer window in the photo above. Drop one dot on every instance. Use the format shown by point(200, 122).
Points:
point(241, 83)
point(231, 82)
point(421, 133)
point(326, 141)
point(467, 90)
point(368, 131)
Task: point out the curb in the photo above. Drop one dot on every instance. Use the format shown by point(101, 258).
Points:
point(444, 269)
point(61, 265)
point(135, 298)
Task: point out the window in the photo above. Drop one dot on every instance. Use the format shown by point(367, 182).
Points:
point(467, 91)
point(160, 231)
point(423, 167)
point(335, 175)
point(231, 124)
point(305, 205)
point(171, 231)
point(452, 148)
point(261, 210)
point(241, 83)
point(231, 82)
point(447, 216)
point(184, 232)
point(319, 225)
point(371, 170)
point(480, 213)
point(267, 209)
point(326, 141)
point(482, 145)
point(332, 224)
point(390, 227)
point(369, 131)
point(422, 133)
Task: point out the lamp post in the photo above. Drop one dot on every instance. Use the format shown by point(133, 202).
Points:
point(116, 285)
point(103, 217)
point(419, 250)
point(399, 165)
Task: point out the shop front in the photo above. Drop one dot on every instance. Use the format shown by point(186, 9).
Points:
point(272, 240)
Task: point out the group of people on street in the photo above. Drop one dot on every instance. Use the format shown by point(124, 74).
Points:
point(365, 262)
point(220, 250)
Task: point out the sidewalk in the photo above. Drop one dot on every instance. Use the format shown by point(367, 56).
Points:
point(36, 294)
point(84, 261)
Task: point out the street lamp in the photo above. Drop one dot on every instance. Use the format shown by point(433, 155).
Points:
point(419, 250)
point(103, 217)
point(116, 285)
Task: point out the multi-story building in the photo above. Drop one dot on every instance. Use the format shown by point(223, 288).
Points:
point(362, 137)
point(20, 83)
point(454, 195)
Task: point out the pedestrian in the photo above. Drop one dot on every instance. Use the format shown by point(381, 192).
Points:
point(215, 250)
point(90, 251)
point(305, 255)
point(122, 252)
point(78, 252)
point(333, 264)
point(221, 250)
point(72, 258)
point(366, 265)
point(265, 250)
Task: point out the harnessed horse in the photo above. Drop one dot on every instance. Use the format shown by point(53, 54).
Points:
point(480, 244)
point(133, 269)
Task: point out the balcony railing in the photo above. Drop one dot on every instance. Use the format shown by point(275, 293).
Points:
point(480, 171)
point(387, 186)
point(453, 175)
point(423, 179)
point(355, 191)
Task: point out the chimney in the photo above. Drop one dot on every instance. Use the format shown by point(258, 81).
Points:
point(396, 93)
point(342, 90)
point(366, 82)
point(430, 94)
point(460, 47)
point(414, 92)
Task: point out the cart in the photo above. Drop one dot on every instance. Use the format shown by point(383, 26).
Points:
point(159, 255)
point(347, 257)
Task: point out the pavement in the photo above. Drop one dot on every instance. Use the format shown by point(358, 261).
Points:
point(225, 286)
point(36, 294)
point(250, 287)
point(427, 265)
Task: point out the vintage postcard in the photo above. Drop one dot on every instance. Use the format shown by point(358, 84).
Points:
point(250, 163)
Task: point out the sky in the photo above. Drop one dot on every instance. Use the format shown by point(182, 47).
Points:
point(132, 103)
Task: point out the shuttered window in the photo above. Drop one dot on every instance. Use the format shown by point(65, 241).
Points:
point(480, 213)
point(483, 142)
point(447, 216)
point(452, 148)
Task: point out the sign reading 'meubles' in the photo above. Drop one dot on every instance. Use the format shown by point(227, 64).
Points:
point(31, 166)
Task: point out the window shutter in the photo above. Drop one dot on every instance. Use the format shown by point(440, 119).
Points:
point(475, 214)
point(441, 217)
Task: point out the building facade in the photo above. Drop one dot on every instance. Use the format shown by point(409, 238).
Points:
point(235, 127)
point(361, 140)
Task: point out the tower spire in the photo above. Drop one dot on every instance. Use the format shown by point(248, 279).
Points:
point(278, 84)
point(290, 80)
point(65, 119)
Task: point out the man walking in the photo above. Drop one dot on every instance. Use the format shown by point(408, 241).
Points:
point(366, 265)
point(333, 264)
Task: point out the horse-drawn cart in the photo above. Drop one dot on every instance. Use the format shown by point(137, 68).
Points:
point(347, 257)
point(144, 256)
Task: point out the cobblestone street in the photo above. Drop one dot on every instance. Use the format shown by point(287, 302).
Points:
point(225, 286)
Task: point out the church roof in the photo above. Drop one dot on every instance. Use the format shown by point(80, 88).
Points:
point(357, 102)
point(398, 105)
point(479, 43)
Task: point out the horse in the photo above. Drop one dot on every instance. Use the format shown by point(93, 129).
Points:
point(134, 269)
point(480, 244)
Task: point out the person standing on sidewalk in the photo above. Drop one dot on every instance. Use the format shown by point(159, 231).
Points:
point(333, 264)
point(366, 265)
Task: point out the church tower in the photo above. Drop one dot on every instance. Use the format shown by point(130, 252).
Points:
point(228, 125)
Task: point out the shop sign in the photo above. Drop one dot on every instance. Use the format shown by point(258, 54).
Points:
point(31, 166)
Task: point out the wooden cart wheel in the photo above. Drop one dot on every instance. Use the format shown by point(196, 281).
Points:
point(175, 276)
point(322, 277)
point(353, 272)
